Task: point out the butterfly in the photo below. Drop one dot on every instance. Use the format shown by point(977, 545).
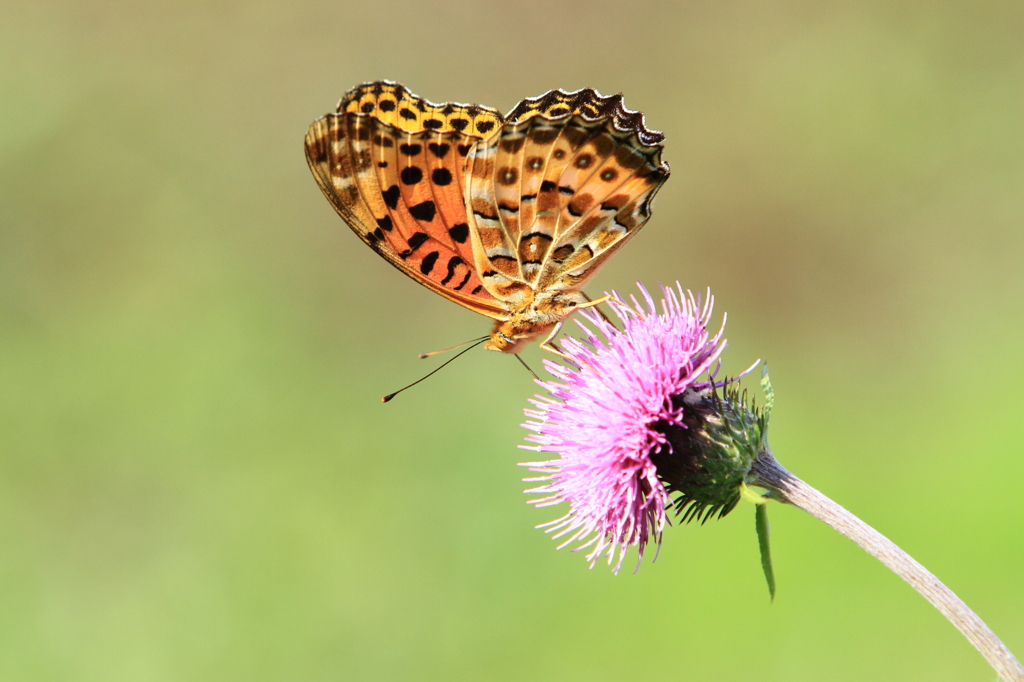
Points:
point(508, 215)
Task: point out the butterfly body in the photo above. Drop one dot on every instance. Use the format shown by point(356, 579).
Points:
point(537, 318)
point(508, 216)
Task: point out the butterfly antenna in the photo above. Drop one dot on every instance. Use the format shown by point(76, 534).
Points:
point(437, 352)
point(528, 369)
point(389, 396)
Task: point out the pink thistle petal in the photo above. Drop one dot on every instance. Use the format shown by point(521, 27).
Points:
point(598, 418)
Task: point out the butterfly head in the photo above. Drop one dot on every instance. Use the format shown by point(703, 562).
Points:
point(509, 338)
point(514, 334)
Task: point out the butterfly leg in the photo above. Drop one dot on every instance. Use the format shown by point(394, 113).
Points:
point(600, 312)
point(550, 347)
point(591, 303)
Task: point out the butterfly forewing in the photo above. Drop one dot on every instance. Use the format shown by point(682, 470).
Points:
point(393, 104)
point(399, 188)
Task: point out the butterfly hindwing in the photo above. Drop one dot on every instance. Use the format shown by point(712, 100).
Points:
point(559, 188)
point(613, 180)
point(492, 222)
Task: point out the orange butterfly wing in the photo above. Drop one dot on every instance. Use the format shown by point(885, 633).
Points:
point(566, 181)
point(392, 165)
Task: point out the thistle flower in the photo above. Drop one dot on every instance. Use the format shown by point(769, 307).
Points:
point(634, 423)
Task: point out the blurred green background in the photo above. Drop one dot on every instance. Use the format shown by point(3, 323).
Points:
point(197, 478)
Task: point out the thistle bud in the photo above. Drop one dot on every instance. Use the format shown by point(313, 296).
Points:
point(707, 454)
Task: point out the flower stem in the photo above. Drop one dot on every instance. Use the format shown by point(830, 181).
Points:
point(785, 487)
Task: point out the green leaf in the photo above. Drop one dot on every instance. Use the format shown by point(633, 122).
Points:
point(761, 521)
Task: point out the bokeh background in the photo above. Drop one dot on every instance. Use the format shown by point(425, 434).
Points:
point(197, 478)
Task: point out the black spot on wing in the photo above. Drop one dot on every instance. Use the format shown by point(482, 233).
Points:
point(441, 176)
point(417, 240)
point(411, 175)
point(391, 196)
point(453, 263)
point(385, 223)
point(459, 232)
point(428, 262)
point(424, 211)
